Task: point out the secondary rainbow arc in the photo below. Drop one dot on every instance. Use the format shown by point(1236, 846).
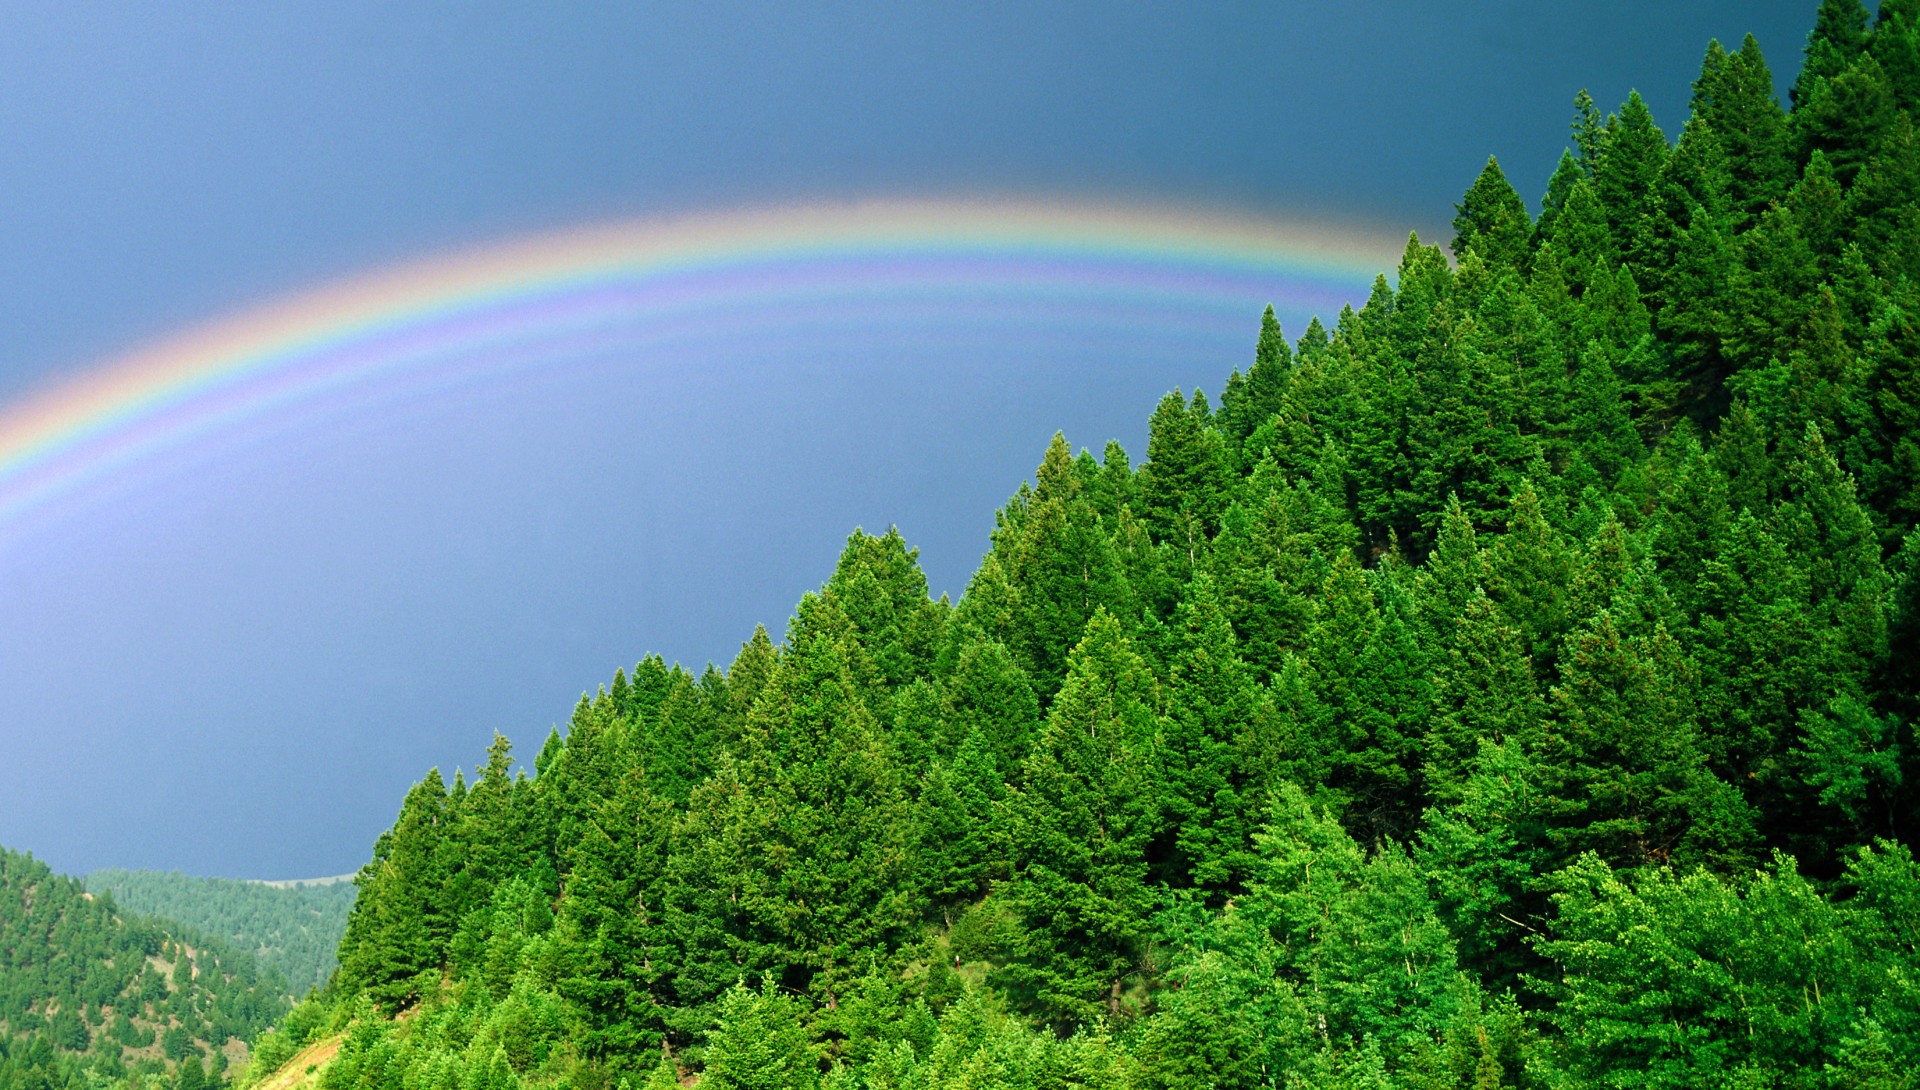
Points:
point(434, 321)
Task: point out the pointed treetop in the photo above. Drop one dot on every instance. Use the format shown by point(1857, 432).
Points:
point(1558, 186)
point(1271, 350)
point(1589, 134)
point(1492, 220)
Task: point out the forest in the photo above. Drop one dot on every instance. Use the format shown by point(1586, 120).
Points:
point(1510, 683)
point(292, 929)
point(90, 996)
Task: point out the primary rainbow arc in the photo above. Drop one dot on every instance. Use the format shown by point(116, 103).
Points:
point(563, 288)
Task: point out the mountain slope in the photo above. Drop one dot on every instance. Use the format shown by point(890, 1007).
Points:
point(292, 928)
point(86, 987)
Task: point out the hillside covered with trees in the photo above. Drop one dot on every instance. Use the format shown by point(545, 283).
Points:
point(291, 928)
point(1512, 683)
point(90, 995)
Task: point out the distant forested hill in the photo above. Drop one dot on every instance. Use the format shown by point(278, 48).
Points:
point(90, 993)
point(1511, 683)
point(292, 928)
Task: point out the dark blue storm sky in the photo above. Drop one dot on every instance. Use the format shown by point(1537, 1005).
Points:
point(239, 675)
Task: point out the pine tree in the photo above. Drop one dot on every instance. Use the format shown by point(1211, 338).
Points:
point(1249, 401)
point(1626, 178)
point(1058, 565)
point(879, 583)
point(1492, 220)
point(1184, 483)
point(761, 1043)
point(1565, 174)
point(1210, 704)
point(1839, 35)
point(398, 929)
point(1080, 823)
point(1734, 97)
point(1622, 764)
point(1484, 693)
point(1845, 117)
point(961, 846)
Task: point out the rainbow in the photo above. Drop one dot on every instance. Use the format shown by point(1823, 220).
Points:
point(542, 301)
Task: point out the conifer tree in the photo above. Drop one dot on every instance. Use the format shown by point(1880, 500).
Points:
point(1734, 97)
point(1845, 117)
point(1484, 691)
point(1839, 35)
point(1559, 185)
point(1209, 707)
point(1184, 483)
point(1058, 566)
point(1080, 823)
point(398, 928)
point(1248, 401)
point(1623, 766)
point(1625, 180)
point(1492, 221)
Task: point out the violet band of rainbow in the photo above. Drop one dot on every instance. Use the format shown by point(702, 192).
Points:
point(755, 273)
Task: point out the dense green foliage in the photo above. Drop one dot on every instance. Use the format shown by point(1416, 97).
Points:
point(292, 928)
point(89, 995)
point(1512, 685)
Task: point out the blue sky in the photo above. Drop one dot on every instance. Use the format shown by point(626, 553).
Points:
point(239, 674)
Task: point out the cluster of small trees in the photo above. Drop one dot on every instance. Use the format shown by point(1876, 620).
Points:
point(1511, 685)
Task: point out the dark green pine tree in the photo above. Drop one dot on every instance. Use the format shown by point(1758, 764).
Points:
point(1367, 684)
point(396, 935)
point(1210, 706)
point(491, 832)
point(1583, 240)
point(1889, 463)
point(1589, 132)
point(1186, 478)
point(1846, 117)
point(1622, 765)
point(1275, 544)
point(1053, 564)
point(1558, 187)
point(1470, 440)
point(1454, 574)
point(879, 583)
point(610, 913)
point(796, 858)
point(1895, 43)
point(962, 840)
point(1603, 434)
point(747, 678)
point(1694, 175)
point(1529, 572)
point(1626, 181)
point(1694, 319)
point(1484, 693)
point(679, 744)
point(1823, 524)
point(1839, 35)
point(1250, 400)
point(1492, 220)
point(988, 693)
point(1734, 97)
point(1881, 214)
point(1079, 827)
